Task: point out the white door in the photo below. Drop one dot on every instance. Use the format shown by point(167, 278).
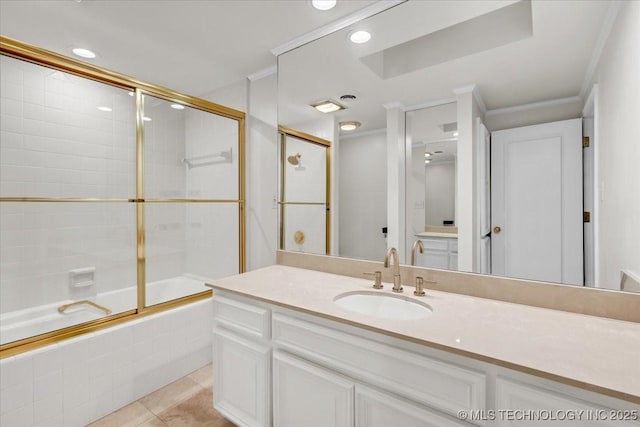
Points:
point(307, 395)
point(536, 202)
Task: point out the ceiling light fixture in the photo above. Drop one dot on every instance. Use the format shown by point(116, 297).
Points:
point(349, 126)
point(327, 106)
point(323, 4)
point(427, 154)
point(105, 109)
point(83, 53)
point(177, 106)
point(360, 37)
point(455, 134)
point(146, 119)
point(427, 162)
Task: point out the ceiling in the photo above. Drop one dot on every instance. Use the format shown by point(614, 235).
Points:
point(540, 52)
point(192, 47)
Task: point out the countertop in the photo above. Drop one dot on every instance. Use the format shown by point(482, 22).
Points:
point(591, 352)
point(437, 234)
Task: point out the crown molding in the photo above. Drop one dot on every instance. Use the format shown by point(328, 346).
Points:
point(534, 105)
point(265, 72)
point(609, 20)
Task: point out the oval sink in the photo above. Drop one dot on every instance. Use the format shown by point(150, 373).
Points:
point(386, 306)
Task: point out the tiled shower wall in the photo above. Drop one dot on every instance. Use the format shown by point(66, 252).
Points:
point(56, 143)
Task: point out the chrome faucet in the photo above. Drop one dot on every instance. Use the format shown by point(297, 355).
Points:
point(416, 245)
point(393, 253)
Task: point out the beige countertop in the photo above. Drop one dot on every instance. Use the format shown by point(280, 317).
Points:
point(594, 353)
point(437, 234)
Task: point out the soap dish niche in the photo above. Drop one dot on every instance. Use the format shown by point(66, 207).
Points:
point(82, 277)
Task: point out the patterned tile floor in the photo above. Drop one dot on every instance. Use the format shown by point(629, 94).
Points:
point(186, 402)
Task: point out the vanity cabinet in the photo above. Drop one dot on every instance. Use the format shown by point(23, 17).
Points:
point(439, 252)
point(278, 367)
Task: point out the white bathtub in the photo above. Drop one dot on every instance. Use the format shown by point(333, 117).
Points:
point(34, 321)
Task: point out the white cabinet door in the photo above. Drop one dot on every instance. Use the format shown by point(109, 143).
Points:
point(310, 396)
point(378, 409)
point(241, 389)
point(526, 405)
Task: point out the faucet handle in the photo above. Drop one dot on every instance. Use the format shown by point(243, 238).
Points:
point(419, 292)
point(378, 278)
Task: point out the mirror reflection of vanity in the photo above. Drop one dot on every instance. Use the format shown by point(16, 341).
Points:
point(542, 62)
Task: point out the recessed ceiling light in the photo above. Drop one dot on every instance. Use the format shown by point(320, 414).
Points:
point(105, 109)
point(177, 106)
point(455, 134)
point(83, 53)
point(427, 154)
point(323, 4)
point(349, 126)
point(327, 106)
point(427, 161)
point(360, 37)
point(146, 119)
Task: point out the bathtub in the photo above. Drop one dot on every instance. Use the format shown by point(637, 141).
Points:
point(34, 321)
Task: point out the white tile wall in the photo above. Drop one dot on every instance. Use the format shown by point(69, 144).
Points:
point(77, 381)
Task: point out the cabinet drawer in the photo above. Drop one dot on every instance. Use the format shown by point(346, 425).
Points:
point(375, 408)
point(523, 399)
point(440, 385)
point(436, 244)
point(244, 318)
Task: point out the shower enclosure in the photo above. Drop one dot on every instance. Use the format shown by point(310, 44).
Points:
point(117, 198)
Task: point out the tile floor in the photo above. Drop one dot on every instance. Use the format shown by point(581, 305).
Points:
point(187, 402)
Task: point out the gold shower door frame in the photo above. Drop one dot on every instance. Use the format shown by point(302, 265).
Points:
point(25, 52)
point(282, 203)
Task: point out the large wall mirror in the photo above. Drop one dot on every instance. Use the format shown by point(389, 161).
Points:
point(501, 133)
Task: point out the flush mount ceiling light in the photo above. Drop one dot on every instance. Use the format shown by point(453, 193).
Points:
point(349, 126)
point(105, 109)
point(327, 106)
point(83, 53)
point(323, 4)
point(177, 106)
point(427, 154)
point(427, 162)
point(360, 37)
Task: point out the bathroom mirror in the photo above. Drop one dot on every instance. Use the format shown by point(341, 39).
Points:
point(510, 64)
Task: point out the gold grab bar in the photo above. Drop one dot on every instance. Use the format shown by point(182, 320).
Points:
point(64, 307)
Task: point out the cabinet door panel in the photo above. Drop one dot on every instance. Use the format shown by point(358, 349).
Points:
point(241, 379)
point(310, 396)
point(378, 409)
point(525, 402)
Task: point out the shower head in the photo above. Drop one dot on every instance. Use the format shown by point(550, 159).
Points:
point(294, 160)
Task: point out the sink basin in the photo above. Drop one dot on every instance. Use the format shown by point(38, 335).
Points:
point(385, 306)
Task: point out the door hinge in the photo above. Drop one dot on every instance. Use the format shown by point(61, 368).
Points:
point(585, 141)
point(586, 216)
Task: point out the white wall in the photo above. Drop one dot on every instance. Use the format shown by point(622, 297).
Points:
point(440, 181)
point(618, 125)
point(363, 196)
point(466, 188)
point(262, 172)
